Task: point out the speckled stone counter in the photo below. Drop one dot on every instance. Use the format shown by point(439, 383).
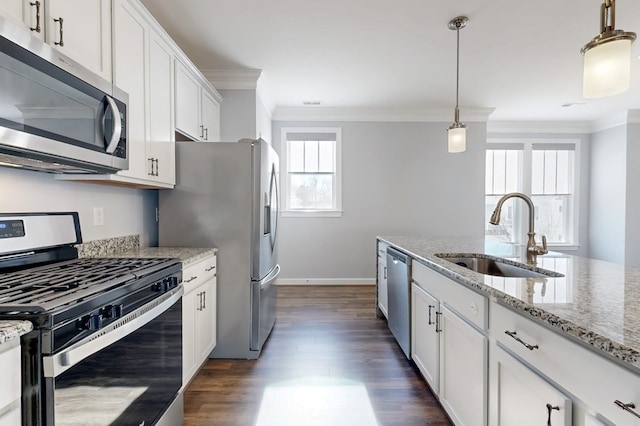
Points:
point(595, 303)
point(10, 330)
point(187, 255)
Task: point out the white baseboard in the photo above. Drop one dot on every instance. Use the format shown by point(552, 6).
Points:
point(326, 281)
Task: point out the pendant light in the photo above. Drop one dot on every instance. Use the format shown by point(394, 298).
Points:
point(457, 132)
point(607, 58)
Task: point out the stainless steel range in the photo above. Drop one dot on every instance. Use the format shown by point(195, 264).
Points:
point(107, 341)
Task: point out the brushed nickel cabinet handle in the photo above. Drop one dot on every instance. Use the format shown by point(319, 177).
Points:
point(210, 268)
point(627, 407)
point(206, 133)
point(204, 300)
point(549, 409)
point(157, 161)
point(201, 131)
point(189, 280)
point(37, 27)
point(438, 329)
point(431, 307)
point(385, 272)
point(513, 335)
point(61, 43)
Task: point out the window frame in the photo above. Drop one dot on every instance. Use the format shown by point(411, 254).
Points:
point(336, 210)
point(526, 163)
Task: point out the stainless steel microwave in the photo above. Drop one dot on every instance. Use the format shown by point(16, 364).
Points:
point(56, 115)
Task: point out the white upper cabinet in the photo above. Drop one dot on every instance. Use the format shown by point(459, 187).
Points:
point(81, 29)
point(197, 106)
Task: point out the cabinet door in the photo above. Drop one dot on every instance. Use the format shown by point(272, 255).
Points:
point(161, 162)
point(160, 89)
point(17, 11)
point(85, 31)
point(206, 332)
point(524, 398)
point(210, 117)
point(463, 370)
point(425, 339)
point(187, 103)
point(383, 298)
point(130, 40)
point(188, 336)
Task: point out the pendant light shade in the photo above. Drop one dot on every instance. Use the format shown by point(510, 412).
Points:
point(457, 132)
point(607, 57)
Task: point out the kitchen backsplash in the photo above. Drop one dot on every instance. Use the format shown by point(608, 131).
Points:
point(108, 246)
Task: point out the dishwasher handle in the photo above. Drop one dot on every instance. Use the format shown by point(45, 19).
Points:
point(397, 256)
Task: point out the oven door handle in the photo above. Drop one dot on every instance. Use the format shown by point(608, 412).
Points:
point(57, 364)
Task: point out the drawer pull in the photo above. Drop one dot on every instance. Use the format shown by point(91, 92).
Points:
point(189, 280)
point(517, 339)
point(627, 407)
point(210, 268)
point(431, 307)
point(549, 409)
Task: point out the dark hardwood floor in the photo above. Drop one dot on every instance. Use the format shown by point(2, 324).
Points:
point(329, 361)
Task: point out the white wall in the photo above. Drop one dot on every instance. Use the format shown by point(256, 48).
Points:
point(263, 120)
point(607, 194)
point(126, 211)
point(398, 179)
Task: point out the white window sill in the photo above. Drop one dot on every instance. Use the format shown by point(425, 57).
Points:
point(311, 213)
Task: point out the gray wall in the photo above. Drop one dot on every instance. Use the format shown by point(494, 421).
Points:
point(398, 179)
point(632, 228)
point(607, 194)
point(126, 211)
point(237, 115)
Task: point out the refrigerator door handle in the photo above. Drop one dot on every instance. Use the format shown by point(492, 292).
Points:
point(275, 196)
point(270, 278)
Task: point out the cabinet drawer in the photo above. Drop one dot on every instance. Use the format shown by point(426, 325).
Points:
point(467, 303)
point(197, 273)
point(589, 376)
point(10, 367)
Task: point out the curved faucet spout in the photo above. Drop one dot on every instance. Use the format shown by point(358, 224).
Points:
point(532, 248)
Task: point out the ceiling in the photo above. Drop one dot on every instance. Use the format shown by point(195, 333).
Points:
point(520, 57)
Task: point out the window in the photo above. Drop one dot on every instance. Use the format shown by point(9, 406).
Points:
point(544, 170)
point(312, 168)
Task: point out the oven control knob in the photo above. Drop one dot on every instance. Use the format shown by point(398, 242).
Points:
point(91, 322)
point(117, 311)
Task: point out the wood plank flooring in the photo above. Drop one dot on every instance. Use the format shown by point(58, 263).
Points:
point(329, 361)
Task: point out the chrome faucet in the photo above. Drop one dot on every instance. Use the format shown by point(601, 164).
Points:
point(533, 250)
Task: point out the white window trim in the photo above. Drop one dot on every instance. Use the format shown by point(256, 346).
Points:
point(527, 149)
point(286, 210)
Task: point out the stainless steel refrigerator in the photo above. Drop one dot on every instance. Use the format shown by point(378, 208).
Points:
point(226, 196)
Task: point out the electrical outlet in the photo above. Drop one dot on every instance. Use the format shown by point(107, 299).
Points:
point(98, 216)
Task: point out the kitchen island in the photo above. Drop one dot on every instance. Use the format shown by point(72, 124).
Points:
point(579, 332)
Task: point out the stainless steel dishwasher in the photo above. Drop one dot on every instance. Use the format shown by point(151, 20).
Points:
point(399, 293)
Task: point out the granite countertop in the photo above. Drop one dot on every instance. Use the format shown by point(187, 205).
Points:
point(10, 330)
point(596, 303)
point(187, 255)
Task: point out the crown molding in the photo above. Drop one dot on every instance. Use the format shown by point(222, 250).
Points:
point(378, 114)
point(528, 127)
point(243, 79)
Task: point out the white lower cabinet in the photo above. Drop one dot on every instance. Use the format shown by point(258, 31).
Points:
point(463, 369)
point(10, 390)
point(425, 340)
point(521, 397)
point(449, 349)
point(198, 315)
point(381, 278)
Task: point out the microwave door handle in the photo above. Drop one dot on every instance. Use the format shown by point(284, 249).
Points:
point(116, 128)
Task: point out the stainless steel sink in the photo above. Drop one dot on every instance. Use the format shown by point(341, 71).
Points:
point(497, 267)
